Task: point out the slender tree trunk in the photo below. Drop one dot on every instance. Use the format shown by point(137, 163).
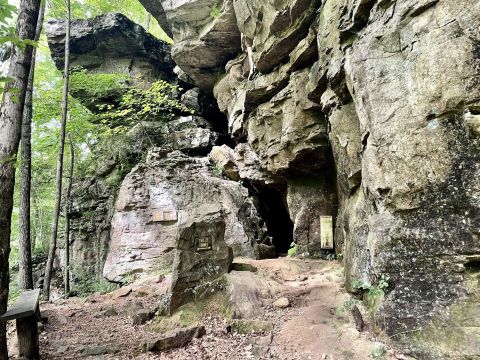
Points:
point(68, 205)
point(11, 114)
point(58, 193)
point(147, 25)
point(24, 239)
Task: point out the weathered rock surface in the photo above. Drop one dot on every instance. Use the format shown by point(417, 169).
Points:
point(176, 338)
point(205, 35)
point(202, 257)
point(246, 293)
point(365, 111)
point(111, 43)
point(94, 197)
point(115, 47)
point(395, 88)
point(160, 197)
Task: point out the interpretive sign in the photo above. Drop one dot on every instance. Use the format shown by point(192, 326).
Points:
point(164, 216)
point(204, 243)
point(326, 232)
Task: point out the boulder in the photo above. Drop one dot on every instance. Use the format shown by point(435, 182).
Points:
point(205, 35)
point(281, 303)
point(162, 196)
point(246, 293)
point(142, 316)
point(202, 257)
point(94, 198)
point(176, 338)
point(111, 43)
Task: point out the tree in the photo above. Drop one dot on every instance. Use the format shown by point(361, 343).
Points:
point(24, 239)
point(68, 204)
point(11, 115)
point(59, 173)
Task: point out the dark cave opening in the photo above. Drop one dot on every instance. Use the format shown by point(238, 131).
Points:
point(473, 266)
point(272, 207)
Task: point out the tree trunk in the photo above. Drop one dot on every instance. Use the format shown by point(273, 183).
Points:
point(147, 25)
point(58, 193)
point(24, 235)
point(11, 114)
point(68, 205)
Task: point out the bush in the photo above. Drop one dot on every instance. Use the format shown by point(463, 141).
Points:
point(86, 284)
point(293, 250)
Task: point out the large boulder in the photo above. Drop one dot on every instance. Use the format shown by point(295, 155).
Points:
point(205, 35)
point(202, 257)
point(109, 54)
point(111, 43)
point(161, 197)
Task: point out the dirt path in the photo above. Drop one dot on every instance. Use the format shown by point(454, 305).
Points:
point(311, 327)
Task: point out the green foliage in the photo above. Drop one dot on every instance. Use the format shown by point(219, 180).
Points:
point(86, 284)
point(346, 306)
point(96, 85)
point(215, 12)
point(373, 294)
point(378, 351)
point(217, 169)
point(157, 102)
point(8, 37)
point(331, 256)
point(293, 250)
point(133, 9)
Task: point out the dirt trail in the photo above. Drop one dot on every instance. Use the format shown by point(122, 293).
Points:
point(311, 327)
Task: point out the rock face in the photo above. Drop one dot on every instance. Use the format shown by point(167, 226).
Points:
point(365, 112)
point(368, 111)
point(111, 43)
point(108, 55)
point(204, 33)
point(163, 196)
point(202, 257)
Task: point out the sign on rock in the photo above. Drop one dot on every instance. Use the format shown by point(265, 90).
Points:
point(326, 232)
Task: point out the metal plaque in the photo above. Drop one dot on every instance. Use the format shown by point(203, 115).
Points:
point(204, 243)
point(164, 216)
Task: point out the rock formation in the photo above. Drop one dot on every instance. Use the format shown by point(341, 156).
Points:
point(111, 43)
point(381, 98)
point(168, 193)
point(365, 112)
point(124, 227)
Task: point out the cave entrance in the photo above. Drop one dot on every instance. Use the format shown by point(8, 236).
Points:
point(273, 209)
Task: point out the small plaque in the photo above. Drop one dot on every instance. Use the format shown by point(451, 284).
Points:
point(204, 244)
point(326, 232)
point(164, 216)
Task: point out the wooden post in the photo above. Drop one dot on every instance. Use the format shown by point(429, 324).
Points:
point(27, 335)
point(26, 312)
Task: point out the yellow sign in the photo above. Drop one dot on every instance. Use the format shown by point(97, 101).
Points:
point(164, 216)
point(326, 232)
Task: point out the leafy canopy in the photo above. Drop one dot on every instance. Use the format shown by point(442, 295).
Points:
point(158, 101)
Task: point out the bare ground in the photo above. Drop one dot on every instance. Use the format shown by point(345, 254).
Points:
point(312, 327)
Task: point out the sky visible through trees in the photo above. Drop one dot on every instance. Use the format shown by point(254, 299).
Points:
point(47, 95)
